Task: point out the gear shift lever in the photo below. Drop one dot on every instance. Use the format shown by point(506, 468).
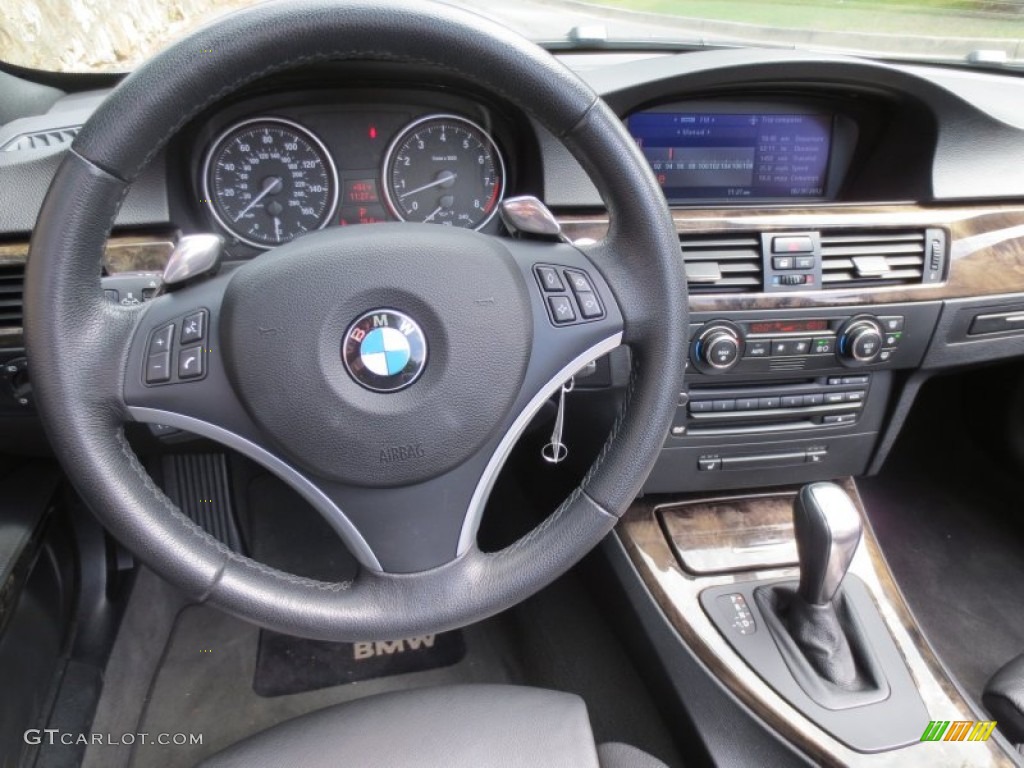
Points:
point(828, 530)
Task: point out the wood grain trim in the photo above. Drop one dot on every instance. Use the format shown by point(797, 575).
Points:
point(986, 242)
point(677, 591)
point(125, 253)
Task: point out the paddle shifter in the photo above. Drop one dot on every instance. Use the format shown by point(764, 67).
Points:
point(828, 529)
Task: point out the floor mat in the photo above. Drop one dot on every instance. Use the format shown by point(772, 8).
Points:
point(204, 685)
point(948, 521)
point(286, 665)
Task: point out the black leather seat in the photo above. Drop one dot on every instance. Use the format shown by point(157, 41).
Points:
point(1004, 699)
point(465, 726)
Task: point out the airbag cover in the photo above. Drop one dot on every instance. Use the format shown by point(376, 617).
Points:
point(285, 316)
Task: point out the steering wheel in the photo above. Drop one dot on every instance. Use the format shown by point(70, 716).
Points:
point(398, 452)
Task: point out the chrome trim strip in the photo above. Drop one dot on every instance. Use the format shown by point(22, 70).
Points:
point(467, 538)
point(327, 508)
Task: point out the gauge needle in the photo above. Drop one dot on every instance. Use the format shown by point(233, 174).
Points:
point(277, 228)
point(436, 211)
point(449, 176)
point(273, 184)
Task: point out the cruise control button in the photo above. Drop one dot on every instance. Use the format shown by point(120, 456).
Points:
point(190, 363)
point(589, 305)
point(578, 281)
point(549, 279)
point(561, 309)
point(158, 368)
point(193, 327)
point(162, 339)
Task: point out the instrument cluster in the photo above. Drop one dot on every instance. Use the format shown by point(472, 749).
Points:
point(275, 171)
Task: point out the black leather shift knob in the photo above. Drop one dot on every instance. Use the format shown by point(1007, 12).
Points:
point(828, 529)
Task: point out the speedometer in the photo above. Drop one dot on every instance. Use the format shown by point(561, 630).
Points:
point(444, 169)
point(269, 180)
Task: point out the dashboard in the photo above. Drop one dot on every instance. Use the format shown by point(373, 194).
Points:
point(848, 228)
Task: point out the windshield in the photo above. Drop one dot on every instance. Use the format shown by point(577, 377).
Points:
point(115, 36)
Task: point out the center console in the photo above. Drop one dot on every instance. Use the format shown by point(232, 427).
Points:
point(789, 395)
point(785, 595)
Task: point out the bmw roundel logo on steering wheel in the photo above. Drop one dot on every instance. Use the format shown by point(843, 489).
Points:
point(384, 350)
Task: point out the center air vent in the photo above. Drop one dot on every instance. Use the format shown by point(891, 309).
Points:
point(11, 278)
point(722, 263)
point(877, 257)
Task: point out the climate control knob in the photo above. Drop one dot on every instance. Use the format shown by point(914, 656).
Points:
point(860, 341)
point(718, 347)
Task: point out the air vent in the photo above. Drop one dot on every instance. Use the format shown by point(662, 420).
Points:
point(42, 139)
point(722, 263)
point(876, 257)
point(12, 276)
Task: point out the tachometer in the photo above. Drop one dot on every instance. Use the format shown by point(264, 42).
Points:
point(444, 169)
point(269, 180)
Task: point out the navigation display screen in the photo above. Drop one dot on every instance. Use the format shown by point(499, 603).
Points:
point(706, 155)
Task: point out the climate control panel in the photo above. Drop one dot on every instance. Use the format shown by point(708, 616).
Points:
point(749, 344)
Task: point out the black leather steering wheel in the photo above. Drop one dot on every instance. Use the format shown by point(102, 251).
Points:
point(402, 476)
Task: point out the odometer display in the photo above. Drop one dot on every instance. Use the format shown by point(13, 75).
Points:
point(444, 170)
point(270, 180)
